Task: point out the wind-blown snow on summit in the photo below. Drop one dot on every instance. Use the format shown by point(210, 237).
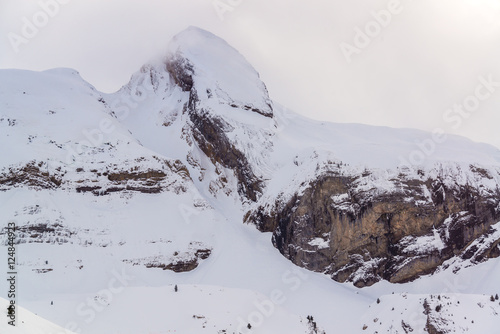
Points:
point(222, 74)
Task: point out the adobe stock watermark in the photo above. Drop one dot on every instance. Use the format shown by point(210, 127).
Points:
point(11, 274)
point(89, 309)
point(452, 291)
point(454, 288)
point(187, 212)
point(265, 308)
point(95, 137)
point(221, 7)
point(417, 319)
point(282, 117)
point(371, 30)
point(453, 116)
point(31, 27)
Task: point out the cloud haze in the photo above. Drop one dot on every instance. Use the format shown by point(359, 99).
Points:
point(423, 59)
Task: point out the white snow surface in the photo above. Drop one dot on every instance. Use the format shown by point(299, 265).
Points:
point(93, 270)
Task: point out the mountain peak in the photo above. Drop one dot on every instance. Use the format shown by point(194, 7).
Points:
point(196, 37)
point(199, 59)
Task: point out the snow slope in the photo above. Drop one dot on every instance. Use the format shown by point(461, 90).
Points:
point(99, 253)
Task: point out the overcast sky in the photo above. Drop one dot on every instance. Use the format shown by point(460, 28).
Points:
point(331, 60)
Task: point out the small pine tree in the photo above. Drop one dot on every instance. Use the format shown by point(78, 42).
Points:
point(249, 326)
point(175, 288)
point(378, 300)
point(492, 298)
point(496, 296)
point(438, 308)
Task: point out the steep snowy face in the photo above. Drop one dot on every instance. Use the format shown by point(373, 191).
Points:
point(205, 105)
point(229, 110)
point(199, 60)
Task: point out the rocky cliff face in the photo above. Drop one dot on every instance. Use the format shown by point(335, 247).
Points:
point(209, 130)
point(144, 175)
point(209, 135)
point(340, 227)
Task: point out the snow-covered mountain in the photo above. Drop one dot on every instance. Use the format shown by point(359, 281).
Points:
point(191, 176)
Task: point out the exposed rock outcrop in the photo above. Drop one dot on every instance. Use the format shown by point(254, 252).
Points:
point(100, 179)
point(185, 261)
point(339, 227)
point(209, 131)
point(31, 175)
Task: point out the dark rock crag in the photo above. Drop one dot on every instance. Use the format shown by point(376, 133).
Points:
point(368, 236)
